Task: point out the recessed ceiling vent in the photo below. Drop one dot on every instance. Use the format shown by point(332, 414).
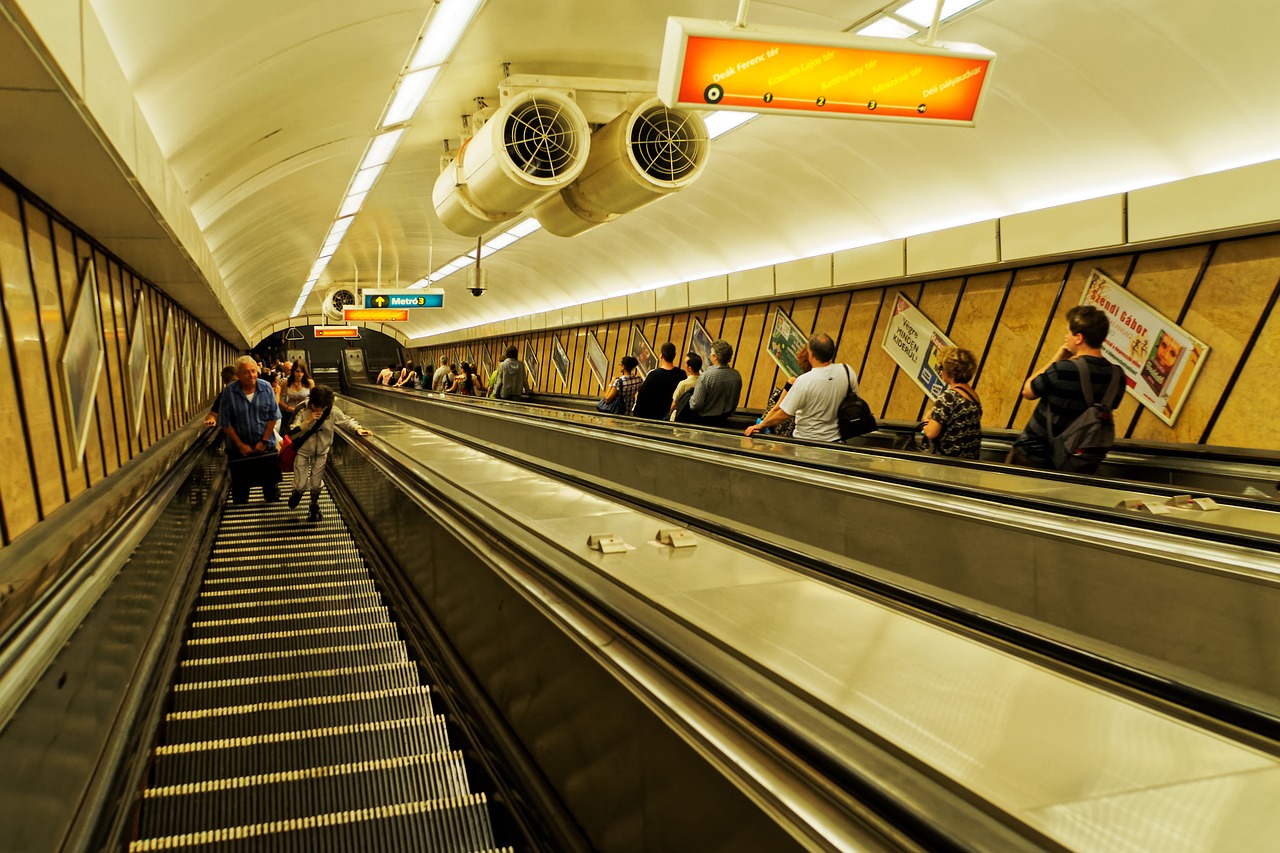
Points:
point(645, 153)
point(536, 143)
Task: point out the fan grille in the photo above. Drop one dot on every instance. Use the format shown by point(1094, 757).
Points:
point(542, 139)
point(666, 144)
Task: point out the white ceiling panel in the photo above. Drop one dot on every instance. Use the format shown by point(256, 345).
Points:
point(263, 110)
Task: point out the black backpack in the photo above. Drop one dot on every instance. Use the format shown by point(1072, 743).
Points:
point(1084, 443)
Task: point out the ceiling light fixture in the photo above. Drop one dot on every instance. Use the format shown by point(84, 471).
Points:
point(446, 23)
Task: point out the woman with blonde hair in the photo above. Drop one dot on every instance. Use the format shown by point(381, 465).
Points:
point(955, 424)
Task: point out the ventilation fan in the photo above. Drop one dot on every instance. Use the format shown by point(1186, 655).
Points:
point(337, 298)
point(640, 156)
point(536, 143)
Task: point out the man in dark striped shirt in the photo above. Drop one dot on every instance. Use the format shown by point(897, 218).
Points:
point(1057, 385)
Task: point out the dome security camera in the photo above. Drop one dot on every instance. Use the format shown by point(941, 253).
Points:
point(477, 281)
point(477, 291)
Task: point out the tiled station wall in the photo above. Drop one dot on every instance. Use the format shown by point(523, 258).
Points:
point(41, 256)
point(1222, 292)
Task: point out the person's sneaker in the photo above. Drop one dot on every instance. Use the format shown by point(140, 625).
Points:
point(314, 515)
point(295, 498)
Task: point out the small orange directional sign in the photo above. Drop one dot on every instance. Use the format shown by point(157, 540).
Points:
point(335, 331)
point(376, 315)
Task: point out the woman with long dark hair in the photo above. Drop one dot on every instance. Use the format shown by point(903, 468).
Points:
point(293, 393)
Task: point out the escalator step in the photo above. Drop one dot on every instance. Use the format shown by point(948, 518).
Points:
point(284, 592)
point(351, 616)
point(273, 641)
point(311, 712)
point(279, 752)
point(291, 661)
point(249, 800)
point(192, 696)
point(284, 607)
point(286, 577)
point(455, 824)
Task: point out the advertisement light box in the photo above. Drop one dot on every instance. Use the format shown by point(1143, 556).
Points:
point(770, 70)
point(336, 331)
point(375, 315)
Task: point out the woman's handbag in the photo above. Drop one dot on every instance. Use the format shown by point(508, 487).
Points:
point(616, 406)
point(854, 415)
point(287, 453)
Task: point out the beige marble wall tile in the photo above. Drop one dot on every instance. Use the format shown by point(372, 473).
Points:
point(831, 312)
point(757, 376)
point(877, 379)
point(855, 337)
point(1251, 418)
point(1163, 280)
point(1116, 268)
point(1226, 309)
point(38, 438)
point(1013, 343)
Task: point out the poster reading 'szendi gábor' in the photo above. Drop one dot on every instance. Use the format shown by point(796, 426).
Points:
point(1160, 359)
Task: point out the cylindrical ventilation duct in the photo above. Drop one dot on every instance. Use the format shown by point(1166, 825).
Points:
point(640, 156)
point(536, 143)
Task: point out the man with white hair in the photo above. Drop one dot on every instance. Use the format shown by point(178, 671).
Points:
point(719, 388)
point(247, 414)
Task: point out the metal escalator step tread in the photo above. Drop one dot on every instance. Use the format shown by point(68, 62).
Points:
point(284, 662)
point(249, 800)
point(269, 641)
point(286, 577)
point(271, 540)
point(328, 601)
point(308, 712)
point(279, 752)
point(456, 823)
point(350, 616)
point(280, 593)
point(294, 562)
point(192, 696)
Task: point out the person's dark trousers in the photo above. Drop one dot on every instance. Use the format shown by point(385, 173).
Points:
point(256, 469)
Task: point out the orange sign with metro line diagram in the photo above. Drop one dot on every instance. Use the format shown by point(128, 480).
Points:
point(712, 65)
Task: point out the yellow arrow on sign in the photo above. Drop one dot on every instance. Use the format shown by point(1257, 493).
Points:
point(380, 301)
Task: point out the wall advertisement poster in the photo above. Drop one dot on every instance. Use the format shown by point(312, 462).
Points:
point(642, 352)
point(785, 342)
point(1160, 359)
point(531, 364)
point(138, 363)
point(597, 361)
point(700, 342)
point(912, 341)
point(83, 355)
point(560, 359)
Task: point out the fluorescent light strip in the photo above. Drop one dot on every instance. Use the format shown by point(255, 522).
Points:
point(448, 22)
point(888, 28)
point(381, 149)
point(721, 122)
point(920, 12)
point(409, 94)
point(443, 30)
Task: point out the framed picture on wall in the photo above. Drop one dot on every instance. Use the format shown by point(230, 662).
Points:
point(487, 364)
point(139, 362)
point(597, 360)
point(561, 360)
point(642, 352)
point(168, 364)
point(785, 342)
point(83, 356)
point(531, 364)
point(699, 342)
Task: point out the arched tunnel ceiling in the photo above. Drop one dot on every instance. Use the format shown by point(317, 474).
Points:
point(264, 109)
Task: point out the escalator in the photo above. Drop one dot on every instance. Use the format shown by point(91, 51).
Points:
point(297, 720)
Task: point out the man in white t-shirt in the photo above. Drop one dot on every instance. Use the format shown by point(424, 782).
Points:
point(814, 398)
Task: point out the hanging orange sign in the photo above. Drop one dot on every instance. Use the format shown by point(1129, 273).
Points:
point(712, 65)
point(376, 315)
point(335, 331)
